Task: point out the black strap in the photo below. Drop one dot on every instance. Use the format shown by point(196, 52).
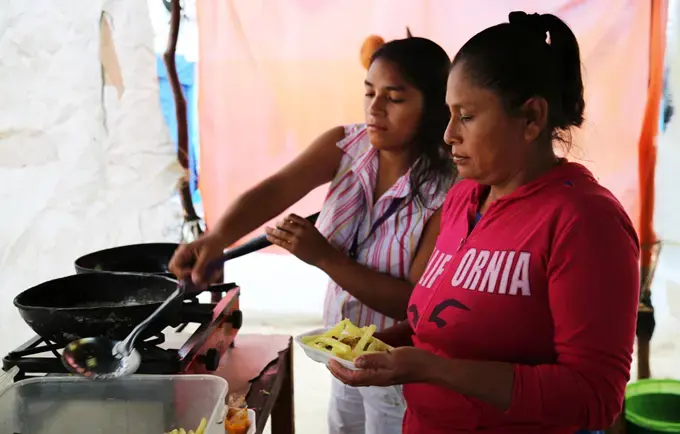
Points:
point(353, 250)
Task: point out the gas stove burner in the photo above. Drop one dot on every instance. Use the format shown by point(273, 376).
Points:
point(39, 357)
point(201, 352)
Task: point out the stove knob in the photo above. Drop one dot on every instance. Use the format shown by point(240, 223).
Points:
point(236, 319)
point(211, 360)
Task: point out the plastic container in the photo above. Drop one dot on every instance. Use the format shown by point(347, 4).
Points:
point(139, 404)
point(653, 406)
point(252, 420)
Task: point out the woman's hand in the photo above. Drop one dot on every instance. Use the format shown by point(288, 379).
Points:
point(301, 238)
point(399, 335)
point(193, 260)
point(399, 366)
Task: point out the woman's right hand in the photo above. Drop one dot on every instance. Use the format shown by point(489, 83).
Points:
point(192, 261)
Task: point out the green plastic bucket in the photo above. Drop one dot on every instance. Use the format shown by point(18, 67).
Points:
point(653, 406)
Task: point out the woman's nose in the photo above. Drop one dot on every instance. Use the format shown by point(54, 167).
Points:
point(376, 107)
point(451, 135)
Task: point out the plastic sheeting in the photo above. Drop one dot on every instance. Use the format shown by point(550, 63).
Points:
point(80, 170)
point(666, 287)
point(274, 75)
point(667, 205)
point(187, 40)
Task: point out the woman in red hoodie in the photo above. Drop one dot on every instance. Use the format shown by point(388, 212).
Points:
point(524, 319)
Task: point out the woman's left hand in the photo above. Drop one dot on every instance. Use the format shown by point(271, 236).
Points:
point(402, 365)
point(301, 238)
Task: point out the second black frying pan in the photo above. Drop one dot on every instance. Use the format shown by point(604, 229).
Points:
point(153, 258)
point(149, 258)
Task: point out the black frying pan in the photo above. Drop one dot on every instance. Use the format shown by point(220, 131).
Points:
point(150, 258)
point(153, 258)
point(102, 301)
point(97, 304)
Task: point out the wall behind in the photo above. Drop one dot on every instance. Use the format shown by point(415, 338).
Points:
point(274, 75)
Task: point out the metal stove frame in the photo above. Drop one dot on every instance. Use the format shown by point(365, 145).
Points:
point(201, 353)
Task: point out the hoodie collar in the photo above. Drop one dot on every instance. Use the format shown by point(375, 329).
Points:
point(566, 172)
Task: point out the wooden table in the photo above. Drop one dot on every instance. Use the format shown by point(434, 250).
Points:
point(271, 394)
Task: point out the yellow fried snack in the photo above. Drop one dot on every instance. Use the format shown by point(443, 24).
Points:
point(199, 430)
point(201, 426)
point(347, 341)
point(351, 329)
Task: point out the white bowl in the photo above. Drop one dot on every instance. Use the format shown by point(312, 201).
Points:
point(324, 356)
point(318, 355)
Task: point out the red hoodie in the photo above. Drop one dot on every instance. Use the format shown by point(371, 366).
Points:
point(547, 280)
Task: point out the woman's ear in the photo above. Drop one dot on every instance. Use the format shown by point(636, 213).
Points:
point(535, 111)
point(370, 46)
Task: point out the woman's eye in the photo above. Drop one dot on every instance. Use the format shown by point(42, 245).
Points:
point(396, 100)
point(369, 95)
point(464, 118)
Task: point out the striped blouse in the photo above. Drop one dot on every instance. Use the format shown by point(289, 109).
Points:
point(349, 214)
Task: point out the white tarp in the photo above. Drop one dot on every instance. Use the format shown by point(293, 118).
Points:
point(187, 41)
point(666, 284)
point(80, 170)
point(667, 203)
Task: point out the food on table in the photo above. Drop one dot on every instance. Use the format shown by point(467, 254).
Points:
point(347, 341)
point(237, 401)
point(236, 421)
point(199, 430)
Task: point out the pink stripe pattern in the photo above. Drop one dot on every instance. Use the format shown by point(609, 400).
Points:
point(349, 208)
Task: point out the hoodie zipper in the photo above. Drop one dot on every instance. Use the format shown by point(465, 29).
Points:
point(472, 213)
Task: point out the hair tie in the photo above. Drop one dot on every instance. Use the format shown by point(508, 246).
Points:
point(532, 23)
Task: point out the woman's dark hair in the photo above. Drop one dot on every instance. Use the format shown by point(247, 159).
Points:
point(425, 66)
point(530, 56)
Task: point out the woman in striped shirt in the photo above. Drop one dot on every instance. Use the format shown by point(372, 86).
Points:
point(380, 219)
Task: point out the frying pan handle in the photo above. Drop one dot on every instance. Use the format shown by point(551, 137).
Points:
point(219, 288)
point(126, 346)
point(251, 246)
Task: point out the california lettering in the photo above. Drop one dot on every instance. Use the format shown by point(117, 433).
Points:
point(494, 272)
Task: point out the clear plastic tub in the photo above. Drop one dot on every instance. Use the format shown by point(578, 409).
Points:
point(140, 404)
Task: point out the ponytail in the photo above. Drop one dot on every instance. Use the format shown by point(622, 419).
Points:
point(530, 56)
point(567, 66)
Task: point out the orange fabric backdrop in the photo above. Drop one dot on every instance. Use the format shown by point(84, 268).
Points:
point(650, 128)
point(274, 74)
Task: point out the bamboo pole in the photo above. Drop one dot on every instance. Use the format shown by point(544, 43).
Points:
point(180, 102)
point(183, 185)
